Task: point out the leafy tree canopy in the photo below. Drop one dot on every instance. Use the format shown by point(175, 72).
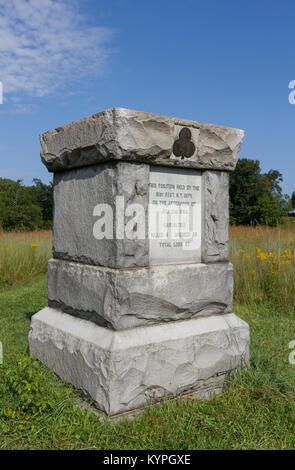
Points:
point(255, 197)
point(43, 197)
point(25, 207)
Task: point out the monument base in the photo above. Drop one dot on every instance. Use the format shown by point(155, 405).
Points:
point(126, 369)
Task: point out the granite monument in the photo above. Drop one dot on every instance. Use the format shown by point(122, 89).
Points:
point(140, 287)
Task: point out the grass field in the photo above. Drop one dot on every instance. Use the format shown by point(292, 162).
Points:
point(23, 256)
point(264, 262)
point(256, 411)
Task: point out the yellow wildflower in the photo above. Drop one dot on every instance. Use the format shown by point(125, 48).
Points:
point(262, 256)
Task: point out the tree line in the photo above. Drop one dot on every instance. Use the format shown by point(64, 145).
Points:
point(25, 207)
point(255, 198)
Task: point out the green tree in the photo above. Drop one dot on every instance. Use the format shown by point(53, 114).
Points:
point(256, 198)
point(18, 211)
point(43, 197)
point(244, 190)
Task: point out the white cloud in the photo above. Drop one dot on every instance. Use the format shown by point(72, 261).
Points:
point(45, 45)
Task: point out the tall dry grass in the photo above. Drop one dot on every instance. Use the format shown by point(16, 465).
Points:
point(23, 255)
point(263, 258)
point(264, 264)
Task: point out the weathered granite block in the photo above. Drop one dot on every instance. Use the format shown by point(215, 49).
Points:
point(123, 370)
point(125, 298)
point(77, 193)
point(215, 216)
point(123, 134)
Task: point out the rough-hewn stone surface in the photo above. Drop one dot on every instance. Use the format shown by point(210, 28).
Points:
point(77, 192)
point(123, 134)
point(215, 216)
point(132, 297)
point(126, 369)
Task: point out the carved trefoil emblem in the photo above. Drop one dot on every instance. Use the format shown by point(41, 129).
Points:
point(185, 143)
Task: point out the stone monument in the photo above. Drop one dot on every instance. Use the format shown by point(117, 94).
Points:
point(140, 288)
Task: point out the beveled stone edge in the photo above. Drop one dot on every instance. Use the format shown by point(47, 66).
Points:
point(174, 120)
point(113, 150)
point(118, 340)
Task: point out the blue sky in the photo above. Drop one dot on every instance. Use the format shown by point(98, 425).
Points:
point(225, 62)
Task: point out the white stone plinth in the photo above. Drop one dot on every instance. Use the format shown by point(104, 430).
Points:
point(123, 370)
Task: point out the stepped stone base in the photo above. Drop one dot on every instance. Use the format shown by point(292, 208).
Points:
point(126, 369)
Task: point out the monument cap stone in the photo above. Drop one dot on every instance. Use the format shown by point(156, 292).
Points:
point(123, 134)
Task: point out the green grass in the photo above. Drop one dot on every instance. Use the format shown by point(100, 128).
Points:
point(256, 411)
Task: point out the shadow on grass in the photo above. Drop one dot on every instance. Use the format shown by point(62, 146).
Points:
point(29, 315)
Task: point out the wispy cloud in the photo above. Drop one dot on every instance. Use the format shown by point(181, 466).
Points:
point(45, 45)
